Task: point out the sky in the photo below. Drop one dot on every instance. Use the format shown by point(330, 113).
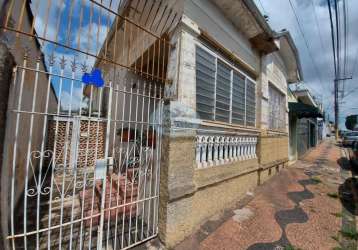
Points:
point(313, 16)
point(78, 24)
point(69, 22)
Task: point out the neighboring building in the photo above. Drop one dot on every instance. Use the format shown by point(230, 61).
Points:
point(306, 125)
point(26, 93)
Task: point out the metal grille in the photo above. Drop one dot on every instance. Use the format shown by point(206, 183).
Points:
point(223, 90)
point(277, 109)
point(223, 93)
point(85, 155)
point(250, 103)
point(238, 99)
point(205, 84)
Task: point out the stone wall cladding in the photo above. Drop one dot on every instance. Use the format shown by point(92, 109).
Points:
point(272, 149)
point(90, 147)
point(190, 196)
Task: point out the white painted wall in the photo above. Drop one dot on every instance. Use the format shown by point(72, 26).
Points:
point(274, 72)
point(209, 18)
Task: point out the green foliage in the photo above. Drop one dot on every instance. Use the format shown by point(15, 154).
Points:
point(332, 195)
point(290, 247)
point(316, 179)
point(335, 237)
point(339, 215)
point(350, 233)
point(351, 121)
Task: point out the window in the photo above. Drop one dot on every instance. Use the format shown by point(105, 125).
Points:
point(223, 93)
point(238, 98)
point(205, 84)
point(277, 109)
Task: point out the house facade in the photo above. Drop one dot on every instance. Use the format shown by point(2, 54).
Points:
point(225, 105)
point(227, 114)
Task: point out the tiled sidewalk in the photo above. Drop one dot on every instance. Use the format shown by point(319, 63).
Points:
point(299, 208)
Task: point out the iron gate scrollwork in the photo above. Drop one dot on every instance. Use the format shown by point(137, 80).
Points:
point(66, 122)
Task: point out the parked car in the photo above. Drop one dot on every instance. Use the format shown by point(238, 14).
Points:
point(350, 138)
point(354, 156)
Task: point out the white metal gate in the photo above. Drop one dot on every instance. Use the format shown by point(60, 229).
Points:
point(86, 122)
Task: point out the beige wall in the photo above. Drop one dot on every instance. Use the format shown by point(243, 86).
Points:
point(273, 148)
point(190, 196)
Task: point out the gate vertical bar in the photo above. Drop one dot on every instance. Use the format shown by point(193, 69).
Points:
point(104, 183)
point(28, 159)
point(15, 150)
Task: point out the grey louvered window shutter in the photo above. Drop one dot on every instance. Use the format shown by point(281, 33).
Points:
point(223, 92)
point(205, 84)
point(250, 103)
point(238, 98)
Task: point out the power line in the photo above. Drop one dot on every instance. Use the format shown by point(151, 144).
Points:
point(317, 23)
point(306, 43)
point(265, 12)
point(337, 39)
point(351, 91)
point(332, 36)
point(345, 33)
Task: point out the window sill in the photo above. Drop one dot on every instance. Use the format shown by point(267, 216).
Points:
point(275, 132)
point(218, 124)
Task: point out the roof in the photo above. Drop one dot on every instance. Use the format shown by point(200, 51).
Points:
point(305, 96)
point(247, 18)
point(292, 46)
point(302, 110)
point(259, 17)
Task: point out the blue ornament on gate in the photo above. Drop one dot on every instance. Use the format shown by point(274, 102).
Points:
point(93, 78)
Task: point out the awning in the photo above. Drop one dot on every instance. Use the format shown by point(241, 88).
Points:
point(302, 110)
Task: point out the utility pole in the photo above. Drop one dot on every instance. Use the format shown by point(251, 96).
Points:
point(335, 71)
point(336, 104)
point(336, 108)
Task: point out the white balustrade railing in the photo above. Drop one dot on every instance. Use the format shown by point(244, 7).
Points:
point(218, 150)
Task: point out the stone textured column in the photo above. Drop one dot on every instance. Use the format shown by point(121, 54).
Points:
point(178, 162)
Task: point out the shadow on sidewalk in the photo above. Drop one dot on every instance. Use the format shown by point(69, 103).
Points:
point(348, 195)
point(348, 191)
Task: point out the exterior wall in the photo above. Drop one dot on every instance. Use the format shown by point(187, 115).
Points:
point(273, 149)
point(273, 145)
point(293, 155)
point(190, 196)
point(209, 18)
point(273, 72)
point(89, 147)
point(305, 136)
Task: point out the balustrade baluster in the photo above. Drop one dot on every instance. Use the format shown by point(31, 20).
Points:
point(221, 156)
point(204, 150)
point(210, 151)
point(216, 150)
point(198, 151)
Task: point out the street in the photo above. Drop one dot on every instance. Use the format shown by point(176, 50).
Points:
point(308, 205)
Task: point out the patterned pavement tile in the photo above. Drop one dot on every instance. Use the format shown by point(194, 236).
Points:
point(293, 208)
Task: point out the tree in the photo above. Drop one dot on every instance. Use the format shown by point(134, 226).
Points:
point(351, 122)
